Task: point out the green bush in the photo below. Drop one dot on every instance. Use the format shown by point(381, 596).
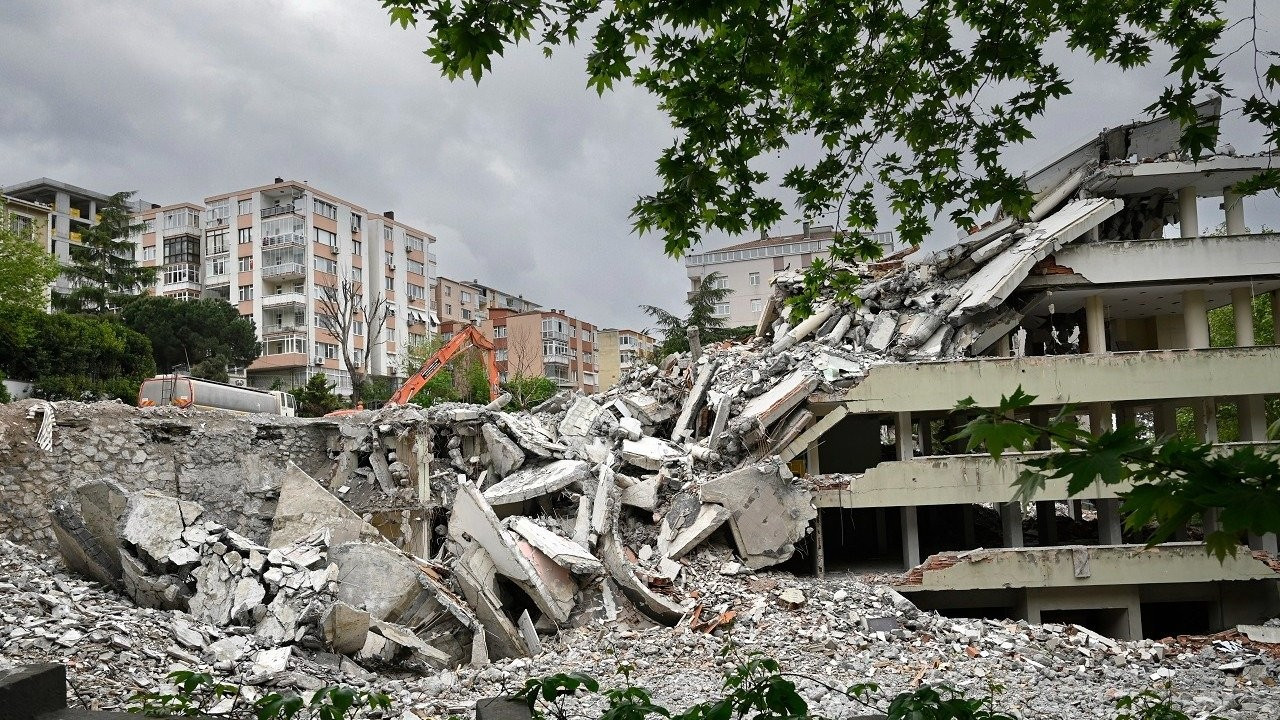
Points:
point(4, 391)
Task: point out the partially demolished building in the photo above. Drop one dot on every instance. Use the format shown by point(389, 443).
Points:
point(461, 533)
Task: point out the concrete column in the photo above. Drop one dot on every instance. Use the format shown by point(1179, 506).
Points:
point(926, 437)
point(819, 558)
point(1206, 419)
point(1109, 529)
point(910, 537)
point(1233, 204)
point(1264, 542)
point(1095, 319)
point(1011, 524)
point(1250, 409)
point(1100, 420)
point(1166, 419)
point(1195, 317)
point(811, 464)
point(1047, 521)
point(905, 443)
point(1242, 311)
point(1188, 217)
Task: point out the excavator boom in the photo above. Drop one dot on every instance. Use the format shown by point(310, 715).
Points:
point(469, 337)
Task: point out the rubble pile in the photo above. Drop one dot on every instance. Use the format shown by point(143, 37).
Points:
point(836, 632)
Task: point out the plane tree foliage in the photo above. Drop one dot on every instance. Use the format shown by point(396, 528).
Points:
point(26, 265)
point(910, 101)
point(1172, 482)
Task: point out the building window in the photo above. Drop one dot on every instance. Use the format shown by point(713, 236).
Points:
point(416, 267)
point(466, 297)
point(244, 207)
point(357, 327)
point(720, 283)
point(412, 244)
point(182, 249)
point(246, 263)
point(324, 237)
point(355, 223)
point(325, 265)
point(387, 233)
point(219, 266)
point(244, 236)
point(215, 243)
point(324, 209)
point(500, 355)
point(757, 305)
point(357, 247)
point(389, 282)
point(417, 292)
point(148, 226)
point(722, 310)
point(328, 351)
point(753, 278)
point(466, 314)
point(219, 213)
point(183, 273)
point(149, 252)
point(500, 331)
point(246, 292)
point(448, 309)
point(448, 291)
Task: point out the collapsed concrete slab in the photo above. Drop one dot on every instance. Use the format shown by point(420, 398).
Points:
point(376, 577)
point(650, 453)
point(536, 481)
point(154, 523)
point(764, 410)
point(767, 514)
point(305, 506)
point(679, 537)
point(477, 575)
point(505, 456)
point(656, 606)
point(565, 553)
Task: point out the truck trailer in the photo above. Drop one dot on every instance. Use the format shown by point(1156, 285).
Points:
point(183, 391)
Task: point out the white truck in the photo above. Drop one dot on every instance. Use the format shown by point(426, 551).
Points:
point(183, 391)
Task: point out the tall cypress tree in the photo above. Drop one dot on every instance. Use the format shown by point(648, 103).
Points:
point(104, 272)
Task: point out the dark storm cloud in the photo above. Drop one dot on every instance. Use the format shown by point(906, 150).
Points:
point(527, 179)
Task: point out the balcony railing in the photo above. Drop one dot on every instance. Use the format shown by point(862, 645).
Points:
point(278, 299)
point(556, 359)
point(284, 240)
point(284, 270)
point(185, 229)
point(273, 211)
point(548, 335)
point(283, 329)
point(216, 278)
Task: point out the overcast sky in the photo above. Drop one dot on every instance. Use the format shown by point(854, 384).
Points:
point(526, 180)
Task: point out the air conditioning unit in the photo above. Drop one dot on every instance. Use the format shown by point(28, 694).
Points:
point(239, 382)
point(319, 362)
point(391, 266)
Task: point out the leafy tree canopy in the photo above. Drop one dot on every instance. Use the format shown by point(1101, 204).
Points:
point(917, 98)
point(26, 265)
point(702, 315)
point(527, 392)
point(207, 335)
point(104, 273)
point(317, 397)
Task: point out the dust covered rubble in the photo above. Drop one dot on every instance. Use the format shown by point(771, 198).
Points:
point(838, 630)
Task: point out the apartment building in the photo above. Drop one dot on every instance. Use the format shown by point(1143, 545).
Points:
point(1102, 306)
point(72, 210)
point(28, 216)
point(547, 343)
point(272, 249)
point(747, 267)
point(620, 349)
point(466, 302)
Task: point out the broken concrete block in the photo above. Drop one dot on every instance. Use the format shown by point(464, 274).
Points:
point(103, 504)
point(280, 625)
point(643, 494)
point(882, 331)
point(505, 456)
point(305, 506)
point(766, 409)
point(648, 409)
point(578, 420)
point(530, 634)
point(154, 523)
point(345, 628)
point(215, 592)
point(552, 579)
point(538, 480)
point(768, 515)
point(389, 642)
point(674, 542)
point(376, 577)
point(656, 606)
point(565, 553)
point(649, 452)
point(248, 595)
point(269, 663)
point(82, 551)
point(632, 427)
point(693, 402)
point(477, 576)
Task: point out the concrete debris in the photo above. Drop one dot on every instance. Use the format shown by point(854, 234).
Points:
point(767, 513)
point(305, 506)
point(538, 480)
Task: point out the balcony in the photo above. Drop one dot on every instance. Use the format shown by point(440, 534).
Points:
point(181, 229)
point(216, 278)
point(284, 240)
point(284, 299)
point(277, 329)
point(277, 210)
point(556, 359)
point(562, 337)
point(285, 271)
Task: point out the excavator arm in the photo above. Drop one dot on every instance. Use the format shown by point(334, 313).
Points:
point(469, 337)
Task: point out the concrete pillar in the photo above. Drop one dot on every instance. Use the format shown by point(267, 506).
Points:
point(1109, 528)
point(967, 520)
point(1250, 409)
point(1195, 317)
point(1188, 217)
point(1047, 521)
point(1011, 524)
point(1100, 420)
point(811, 464)
point(926, 437)
point(905, 443)
point(1206, 419)
point(1233, 204)
point(910, 537)
point(1095, 319)
point(1166, 419)
point(1264, 542)
point(1242, 311)
point(819, 550)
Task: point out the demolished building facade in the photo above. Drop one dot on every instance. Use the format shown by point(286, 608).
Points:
point(459, 534)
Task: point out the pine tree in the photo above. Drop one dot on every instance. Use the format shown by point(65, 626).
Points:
point(104, 273)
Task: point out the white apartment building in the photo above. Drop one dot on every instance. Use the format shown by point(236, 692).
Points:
point(747, 267)
point(271, 250)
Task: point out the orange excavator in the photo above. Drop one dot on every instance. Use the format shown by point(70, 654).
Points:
point(469, 337)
